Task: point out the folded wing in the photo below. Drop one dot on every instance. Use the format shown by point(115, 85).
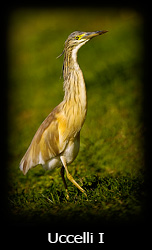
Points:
point(49, 141)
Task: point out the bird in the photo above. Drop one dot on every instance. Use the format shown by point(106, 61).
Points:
point(57, 141)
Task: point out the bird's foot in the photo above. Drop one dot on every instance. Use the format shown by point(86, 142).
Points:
point(67, 195)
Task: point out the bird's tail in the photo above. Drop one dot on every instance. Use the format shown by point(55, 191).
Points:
point(24, 165)
point(26, 162)
point(31, 159)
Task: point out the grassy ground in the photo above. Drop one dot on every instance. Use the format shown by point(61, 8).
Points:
point(110, 164)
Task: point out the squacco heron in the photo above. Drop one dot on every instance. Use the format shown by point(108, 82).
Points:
point(57, 141)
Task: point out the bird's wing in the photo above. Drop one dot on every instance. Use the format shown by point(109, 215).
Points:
point(49, 141)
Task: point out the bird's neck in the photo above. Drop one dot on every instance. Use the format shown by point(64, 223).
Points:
point(74, 85)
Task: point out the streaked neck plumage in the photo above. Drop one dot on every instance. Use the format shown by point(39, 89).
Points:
point(74, 85)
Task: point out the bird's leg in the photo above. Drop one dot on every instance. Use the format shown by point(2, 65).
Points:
point(63, 179)
point(69, 176)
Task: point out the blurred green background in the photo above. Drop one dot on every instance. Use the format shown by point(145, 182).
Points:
point(110, 163)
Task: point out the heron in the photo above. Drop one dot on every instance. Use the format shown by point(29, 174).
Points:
point(57, 140)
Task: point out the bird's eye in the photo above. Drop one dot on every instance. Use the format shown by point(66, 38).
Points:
point(77, 37)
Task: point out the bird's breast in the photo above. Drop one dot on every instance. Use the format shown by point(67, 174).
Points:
point(75, 116)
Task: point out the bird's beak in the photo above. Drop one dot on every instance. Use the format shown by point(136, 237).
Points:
point(90, 35)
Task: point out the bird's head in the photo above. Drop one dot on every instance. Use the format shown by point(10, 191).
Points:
point(78, 38)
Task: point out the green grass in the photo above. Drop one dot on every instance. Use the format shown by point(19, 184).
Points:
point(110, 164)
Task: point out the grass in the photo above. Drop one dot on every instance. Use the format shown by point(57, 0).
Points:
point(110, 164)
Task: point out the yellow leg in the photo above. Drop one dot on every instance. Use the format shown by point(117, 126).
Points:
point(62, 175)
point(69, 176)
